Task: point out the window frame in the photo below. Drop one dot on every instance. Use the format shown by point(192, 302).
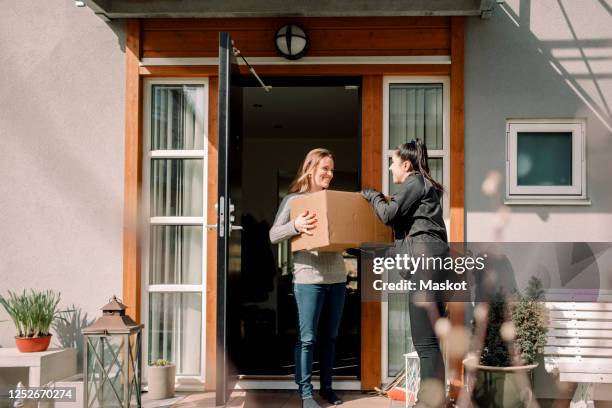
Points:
point(544, 194)
point(444, 154)
point(186, 382)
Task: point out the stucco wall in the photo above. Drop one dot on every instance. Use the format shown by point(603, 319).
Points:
point(543, 58)
point(61, 132)
point(533, 59)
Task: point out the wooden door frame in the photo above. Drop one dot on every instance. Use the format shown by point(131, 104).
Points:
point(371, 158)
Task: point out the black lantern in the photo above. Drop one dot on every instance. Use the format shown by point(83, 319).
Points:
point(112, 357)
point(291, 41)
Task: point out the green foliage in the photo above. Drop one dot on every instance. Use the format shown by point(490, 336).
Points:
point(32, 313)
point(528, 315)
point(160, 363)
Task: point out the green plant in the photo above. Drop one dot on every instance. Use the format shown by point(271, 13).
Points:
point(32, 313)
point(528, 316)
point(160, 363)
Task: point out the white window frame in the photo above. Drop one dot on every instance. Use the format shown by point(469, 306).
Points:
point(184, 382)
point(546, 194)
point(444, 154)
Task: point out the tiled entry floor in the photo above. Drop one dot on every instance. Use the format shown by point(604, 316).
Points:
point(267, 399)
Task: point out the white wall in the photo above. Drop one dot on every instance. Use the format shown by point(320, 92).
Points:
point(61, 136)
point(538, 58)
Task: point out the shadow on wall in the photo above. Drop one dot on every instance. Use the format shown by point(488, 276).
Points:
point(68, 331)
point(548, 59)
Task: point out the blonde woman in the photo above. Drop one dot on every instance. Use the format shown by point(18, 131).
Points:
point(319, 281)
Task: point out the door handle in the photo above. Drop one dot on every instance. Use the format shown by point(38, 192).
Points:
point(236, 227)
point(211, 226)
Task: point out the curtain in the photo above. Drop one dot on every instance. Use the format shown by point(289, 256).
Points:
point(415, 111)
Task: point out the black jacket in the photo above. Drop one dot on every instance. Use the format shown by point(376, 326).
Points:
point(415, 213)
point(415, 210)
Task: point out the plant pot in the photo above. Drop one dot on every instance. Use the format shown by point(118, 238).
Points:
point(500, 387)
point(32, 344)
point(161, 381)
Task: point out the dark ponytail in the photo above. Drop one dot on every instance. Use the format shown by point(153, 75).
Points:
point(416, 153)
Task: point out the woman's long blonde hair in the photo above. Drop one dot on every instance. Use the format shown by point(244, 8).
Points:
point(303, 181)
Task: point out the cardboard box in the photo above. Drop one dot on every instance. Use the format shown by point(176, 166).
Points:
point(345, 220)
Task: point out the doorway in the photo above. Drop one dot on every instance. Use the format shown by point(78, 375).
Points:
point(278, 129)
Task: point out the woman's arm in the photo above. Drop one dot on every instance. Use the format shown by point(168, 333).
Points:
point(283, 227)
point(409, 193)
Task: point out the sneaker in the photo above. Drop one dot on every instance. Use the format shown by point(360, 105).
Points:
point(310, 403)
point(330, 396)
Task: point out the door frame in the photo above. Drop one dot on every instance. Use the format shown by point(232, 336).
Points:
point(372, 74)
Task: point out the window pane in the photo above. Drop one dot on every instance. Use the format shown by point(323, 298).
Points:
point(176, 187)
point(175, 330)
point(435, 169)
point(415, 111)
point(398, 336)
point(176, 255)
point(544, 158)
point(177, 117)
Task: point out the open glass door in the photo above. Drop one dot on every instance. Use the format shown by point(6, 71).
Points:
point(228, 210)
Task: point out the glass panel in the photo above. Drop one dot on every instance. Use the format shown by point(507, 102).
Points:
point(177, 117)
point(176, 187)
point(544, 158)
point(399, 339)
point(435, 169)
point(176, 255)
point(415, 111)
point(175, 330)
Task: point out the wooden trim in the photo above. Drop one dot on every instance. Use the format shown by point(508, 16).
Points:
point(327, 36)
point(211, 246)
point(254, 23)
point(371, 176)
point(304, 70)
point(457, 132)
point(132, 171)
point(457, 199)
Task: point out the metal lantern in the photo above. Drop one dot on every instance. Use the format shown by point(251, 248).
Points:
point(112, 357)
point(413, 377)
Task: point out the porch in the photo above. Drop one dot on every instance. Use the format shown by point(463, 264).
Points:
point(267, 399)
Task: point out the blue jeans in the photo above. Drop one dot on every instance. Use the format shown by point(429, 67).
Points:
point(317, 303)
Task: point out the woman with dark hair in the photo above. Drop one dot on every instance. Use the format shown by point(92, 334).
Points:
point(415, 213)
point(319, 281)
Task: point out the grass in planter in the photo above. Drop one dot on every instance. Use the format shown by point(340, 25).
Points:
point(33, 313)
point(160, 363)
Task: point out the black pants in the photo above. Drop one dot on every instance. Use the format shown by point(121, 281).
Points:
point(423, 316)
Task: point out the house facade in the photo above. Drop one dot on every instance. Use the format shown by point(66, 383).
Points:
point(111, 125)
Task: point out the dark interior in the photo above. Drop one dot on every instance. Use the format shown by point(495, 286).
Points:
point(279, 128)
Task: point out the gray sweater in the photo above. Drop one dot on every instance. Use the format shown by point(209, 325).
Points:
point(308, 266)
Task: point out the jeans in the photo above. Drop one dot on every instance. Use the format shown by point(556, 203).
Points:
point(317, 303)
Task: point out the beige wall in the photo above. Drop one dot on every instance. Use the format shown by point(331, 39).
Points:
point(61, 133)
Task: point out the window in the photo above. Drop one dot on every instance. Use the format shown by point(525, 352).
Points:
point(545, 160)
point(174, 247)
point(412, 108)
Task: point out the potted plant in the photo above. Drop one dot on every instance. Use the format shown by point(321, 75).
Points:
point(513, 334)
point(161, 374)
point(33, 315)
